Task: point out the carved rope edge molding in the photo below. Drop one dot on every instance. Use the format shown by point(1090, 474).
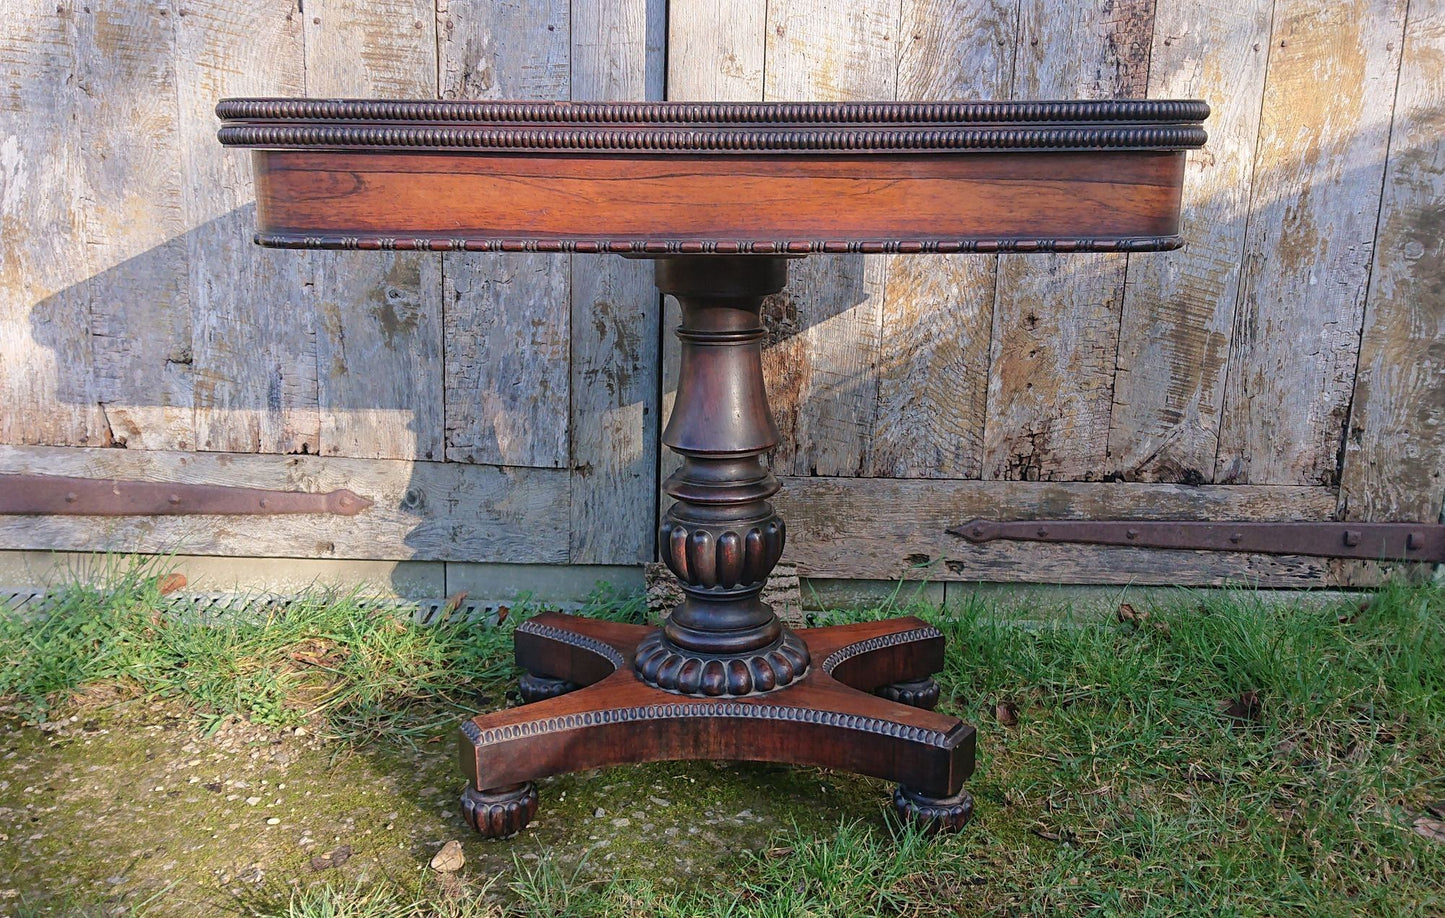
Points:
point(727, 709)
point(716, 247)
point(844, 654)
point(580, 641)
point(816, 141)
point(1144, 110)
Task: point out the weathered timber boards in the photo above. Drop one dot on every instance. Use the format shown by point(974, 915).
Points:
point(132, 252)
point(442, 197)
point(96, 325)
point(1178, 308)
point(617, 53)
point(1328, 97)
point(938, 312)
point(1056, 318)
point(253, 331)
point(887, 529)
point(832, 307)
point(46, 379)
point(379, 325)
point(507, 318)
point(422, 510)
point(1395, 448)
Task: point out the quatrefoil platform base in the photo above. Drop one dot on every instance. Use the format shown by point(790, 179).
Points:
point(840, 713)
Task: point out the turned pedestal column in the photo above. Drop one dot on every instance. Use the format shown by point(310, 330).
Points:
point(722, 537)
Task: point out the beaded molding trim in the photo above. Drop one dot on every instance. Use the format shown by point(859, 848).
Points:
point(663, 127)
point(871, 645)
point(571, 639)
point(728, 709)
point(963, 139)
point(692, 113)
point(716, 247)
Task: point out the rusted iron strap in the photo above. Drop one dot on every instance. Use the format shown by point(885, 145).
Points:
point(1370, 541)
point(47, 495)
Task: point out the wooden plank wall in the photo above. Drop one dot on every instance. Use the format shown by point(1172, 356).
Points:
point(1286, 363)
point(137, 313)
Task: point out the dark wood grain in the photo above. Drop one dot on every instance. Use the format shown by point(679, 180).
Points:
point(827, 718)
point(461, 201)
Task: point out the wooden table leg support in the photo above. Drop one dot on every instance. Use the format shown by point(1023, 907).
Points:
point(723, 678)
point(833, 716)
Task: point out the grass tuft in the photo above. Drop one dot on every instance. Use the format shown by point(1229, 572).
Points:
point(337, 663)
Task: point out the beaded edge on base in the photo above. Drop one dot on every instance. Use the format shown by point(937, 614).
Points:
point(699, 709)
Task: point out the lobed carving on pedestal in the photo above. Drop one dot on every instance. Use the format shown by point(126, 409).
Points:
point(726, 556)
point(533, 687)
point(919, 693)
point(679, 670)
point(502, 811)
point(933, 814)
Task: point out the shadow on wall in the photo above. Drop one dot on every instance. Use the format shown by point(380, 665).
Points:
point(233, 350)
point(256, 354)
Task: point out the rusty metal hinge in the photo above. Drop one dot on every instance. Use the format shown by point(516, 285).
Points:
point(47, 495)
point(1367, 541)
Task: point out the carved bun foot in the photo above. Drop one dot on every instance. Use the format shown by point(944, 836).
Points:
point(933, 814)
point(500, 811)
point(920, 693)
point(539, 688)
point(676, 669)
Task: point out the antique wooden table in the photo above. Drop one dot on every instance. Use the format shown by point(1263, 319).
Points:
point(721, 195)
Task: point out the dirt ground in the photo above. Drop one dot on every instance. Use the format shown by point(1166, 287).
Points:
point(108, 812)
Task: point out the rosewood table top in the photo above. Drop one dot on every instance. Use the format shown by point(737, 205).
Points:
point(701, 178)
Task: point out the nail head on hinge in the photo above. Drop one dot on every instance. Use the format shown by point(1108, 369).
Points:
point(1131, 534)
point(1352, 537)
point(1413, 541)
point(1043, 532)
point(1235, 537)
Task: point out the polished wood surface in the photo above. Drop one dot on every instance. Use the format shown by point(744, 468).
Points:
point(669, 178)
point(794, 204)
point(830, 718)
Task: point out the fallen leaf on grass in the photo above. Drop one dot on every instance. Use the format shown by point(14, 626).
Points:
point(453, 603)
point(502, 613)
point(1063, 836)
point(1245, 708)
point(1433, 829)
point(1007, 713)
point(334, 858)
point(170, 583)
point(1127, 613)
point(1353, 617)
point(449, 858)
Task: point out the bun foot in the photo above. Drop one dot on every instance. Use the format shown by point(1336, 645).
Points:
point(500, 811)
point(933, 814)
point(919, 693)
point(539, 688)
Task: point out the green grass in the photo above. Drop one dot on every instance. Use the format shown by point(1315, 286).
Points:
point(356, 670)
point(1126, 786)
